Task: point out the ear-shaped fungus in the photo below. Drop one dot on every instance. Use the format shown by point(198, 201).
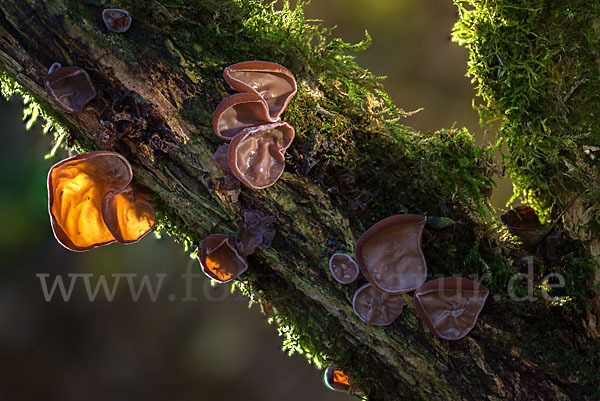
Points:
point(219, 258)
point(389, 254)
point(85, 205)
point(273, 82)
point(129, 215)
point(69, 88)
point(343, 268)
point(450, 306)
point(337, 380)
point(524, 223)
point(256, 155)
point(116, 20)
point(239, 111)
point(376, 307)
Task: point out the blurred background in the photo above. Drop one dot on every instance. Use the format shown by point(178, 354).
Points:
point(213, 347)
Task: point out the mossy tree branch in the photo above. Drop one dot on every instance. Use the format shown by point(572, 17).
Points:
point(352, 164)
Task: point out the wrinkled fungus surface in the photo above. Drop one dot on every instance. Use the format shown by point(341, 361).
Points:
point(273, 82)
point(257, 230)
point(239, 111)
point(219, 258)
point(256, 155)
point(389, 254)
point(69, 88)
point(343, 268)
point(92, 203)
point(116, 20)
point(376, 307)
point(450, 306)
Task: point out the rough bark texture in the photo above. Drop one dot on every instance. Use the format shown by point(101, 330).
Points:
point(350, 166)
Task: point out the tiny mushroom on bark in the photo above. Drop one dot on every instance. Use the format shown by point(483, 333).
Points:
point(92, 203)
point(389, 254)
point(450, 306)
point(376, 307)
point(69, 88)
point(335, 379)
point(116, 20)
point(256, 155)
point(239, 111)
point(273, 82)
point(343, 268)
point(219, 258)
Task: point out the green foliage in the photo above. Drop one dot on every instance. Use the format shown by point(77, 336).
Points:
point(535, 65)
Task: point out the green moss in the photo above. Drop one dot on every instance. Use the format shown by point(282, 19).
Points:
point(536, 66)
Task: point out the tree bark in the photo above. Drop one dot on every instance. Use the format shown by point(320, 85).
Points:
point(350, 166)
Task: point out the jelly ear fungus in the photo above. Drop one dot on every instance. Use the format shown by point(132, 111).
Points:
point(273, 82)
point(450, 306)
point(335, 379)
point(69, 88)
point(376, 307)
point(343, 268)
point(239, 111)
point(389, 254)
point(256, 155)
point(219, 258)
point(116, 20)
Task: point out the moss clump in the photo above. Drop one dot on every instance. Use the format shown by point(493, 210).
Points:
point(536, 66)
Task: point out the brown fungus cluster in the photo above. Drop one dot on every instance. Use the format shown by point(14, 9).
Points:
point(116, 20)
point(224, 260)
point(390, 257)
point(92, 202)
point(69, 88)
point(251, 121)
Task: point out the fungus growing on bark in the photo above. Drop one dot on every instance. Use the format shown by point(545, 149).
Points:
point(343, 268)
point(389, 254)
point(273, 82)
point(256, 154)
point(450, 306)
point(376, 307)
point(69, 88)
point(92, 203)
point(219, 258)
point(239, 111)
point(335, 379)
point(116, 20)
point(257, 230)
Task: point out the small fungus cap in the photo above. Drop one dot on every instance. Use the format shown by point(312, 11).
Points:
point(239, 111)
point(343, 268)
point(91, 202)
point(523, 222)
point(335, 379)
point(273, 82)
point(219, 258)
point(389, 254)
point(256, 155)
point(450, 306)
point(376, 307)
point(69, 88)
point(257, 230)
point(116, 20)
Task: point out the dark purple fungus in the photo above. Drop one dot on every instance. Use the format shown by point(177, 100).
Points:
point(376, 307)
point(256, 155)
point(219, 258)
point(116, 20)
point(273, 82)
point(343, 268)
point(239, 111)
point(257, 230)
point(69, 88)
point(389, 254)
point(450, 306)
